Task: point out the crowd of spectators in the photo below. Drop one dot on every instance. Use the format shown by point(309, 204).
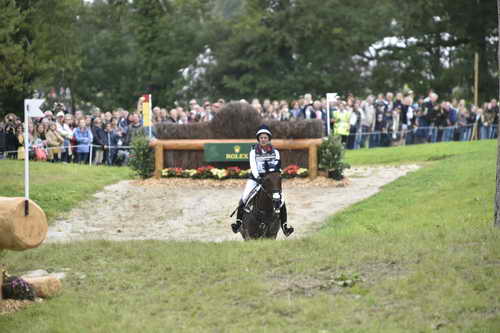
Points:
point(59, 136)
point(376, 121)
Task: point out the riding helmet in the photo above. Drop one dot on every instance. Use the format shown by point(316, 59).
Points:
point(263, 129)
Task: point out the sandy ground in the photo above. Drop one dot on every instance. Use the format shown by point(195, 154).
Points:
point(198, 210)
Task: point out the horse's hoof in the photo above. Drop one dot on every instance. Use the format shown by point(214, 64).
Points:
point(235, 227)
point(288, 231)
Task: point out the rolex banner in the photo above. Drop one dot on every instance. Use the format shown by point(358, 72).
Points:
point(146, 110)
point(226, 152)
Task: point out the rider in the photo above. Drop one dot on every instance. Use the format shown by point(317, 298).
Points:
point(264, 158)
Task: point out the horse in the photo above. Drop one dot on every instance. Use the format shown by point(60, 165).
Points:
point(262, 213)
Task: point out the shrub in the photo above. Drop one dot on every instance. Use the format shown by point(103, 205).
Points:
point(141, 158)
point(236, 121)
point(331, 156)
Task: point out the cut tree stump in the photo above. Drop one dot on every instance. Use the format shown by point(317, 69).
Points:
point(19, 232)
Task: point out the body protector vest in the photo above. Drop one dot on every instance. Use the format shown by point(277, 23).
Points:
point(263, 161)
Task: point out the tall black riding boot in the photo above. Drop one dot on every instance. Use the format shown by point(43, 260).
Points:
point(239, 217)
point(287, 231)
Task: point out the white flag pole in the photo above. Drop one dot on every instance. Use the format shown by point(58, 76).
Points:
point(26, 161)
point(31, 109)
point(150, 112)
point(327, 117)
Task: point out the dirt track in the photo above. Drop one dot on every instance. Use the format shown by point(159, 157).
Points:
point(184, 210)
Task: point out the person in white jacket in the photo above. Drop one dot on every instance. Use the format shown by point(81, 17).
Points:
point(67, 133)
point(263, 158)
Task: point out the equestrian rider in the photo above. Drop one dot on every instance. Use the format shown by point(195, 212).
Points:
point(264, 158)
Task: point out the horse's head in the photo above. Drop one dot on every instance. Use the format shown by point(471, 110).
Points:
point(272, 185)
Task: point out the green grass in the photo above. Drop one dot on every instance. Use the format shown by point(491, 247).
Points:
point(57, 187)
point(422, 254)
point(415, 153)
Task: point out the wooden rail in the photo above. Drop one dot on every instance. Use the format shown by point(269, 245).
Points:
point(298, 144)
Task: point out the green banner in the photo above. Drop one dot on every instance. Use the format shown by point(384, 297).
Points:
point(226, 152)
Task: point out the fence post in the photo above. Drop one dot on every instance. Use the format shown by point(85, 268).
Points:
point(313, 160)
point(90, 155)
point(159, 152)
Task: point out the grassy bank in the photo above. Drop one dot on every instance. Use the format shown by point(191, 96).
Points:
point(57, 188)
point(419, 256)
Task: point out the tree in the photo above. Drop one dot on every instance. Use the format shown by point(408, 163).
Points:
point(38, 48)
point(437, 41)
point(283, 48)
point(17, 61)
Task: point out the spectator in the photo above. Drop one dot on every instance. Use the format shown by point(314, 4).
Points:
point(295, 110)
point(11, 141)
point(341, 122)
point(110, 145)
point(488, 120)
point(84, 138)
point(63, 126)
point(54, 143)
point(98, 141)
point(367, 120)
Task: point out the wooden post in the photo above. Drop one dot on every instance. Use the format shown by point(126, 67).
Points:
point(159, 157)
point(313, 161)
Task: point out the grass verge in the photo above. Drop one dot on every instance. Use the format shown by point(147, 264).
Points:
point(57, 188)
point(421, 255)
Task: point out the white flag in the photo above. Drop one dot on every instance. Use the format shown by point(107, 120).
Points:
point(32, 107)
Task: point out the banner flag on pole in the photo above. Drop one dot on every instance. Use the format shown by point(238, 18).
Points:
point(32, 107)
point(146, 110)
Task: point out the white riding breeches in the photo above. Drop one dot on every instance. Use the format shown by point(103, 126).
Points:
point(250, 185)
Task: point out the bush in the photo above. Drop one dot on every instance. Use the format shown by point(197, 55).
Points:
point(331, 155)
point(141, 158)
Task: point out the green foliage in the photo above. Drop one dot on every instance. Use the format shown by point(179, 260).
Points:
point(177, 50)
point(142, 158)
point(331, 157)
point(429, 231)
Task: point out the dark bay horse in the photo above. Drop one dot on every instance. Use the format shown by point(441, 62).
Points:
point(262, 213)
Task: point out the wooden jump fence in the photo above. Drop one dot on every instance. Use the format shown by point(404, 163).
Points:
point(298, 144)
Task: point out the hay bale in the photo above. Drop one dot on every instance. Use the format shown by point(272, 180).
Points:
point(239, 121)
point(169, 131)
point(236, 121)
point(19, 232)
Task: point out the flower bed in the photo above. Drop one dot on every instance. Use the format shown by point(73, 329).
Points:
point(208, 171)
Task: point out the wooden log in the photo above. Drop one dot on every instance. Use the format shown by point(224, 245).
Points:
point(19, 232)
point(313, 161)
point(158, 160)
point(45, 286)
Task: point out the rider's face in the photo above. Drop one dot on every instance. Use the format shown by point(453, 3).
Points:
point(263, 139)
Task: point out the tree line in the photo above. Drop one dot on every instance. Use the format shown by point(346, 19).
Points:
point(109, 52)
